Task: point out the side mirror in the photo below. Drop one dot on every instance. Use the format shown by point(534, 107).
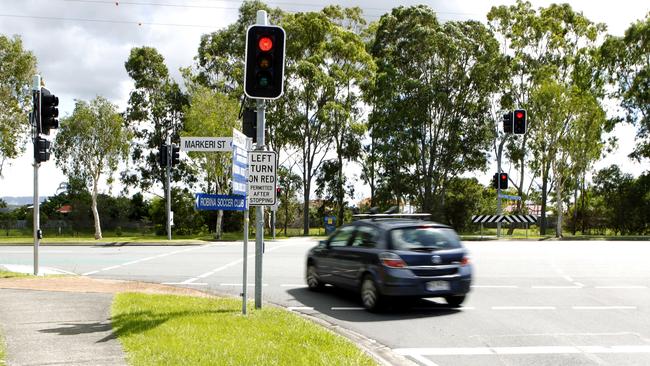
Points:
point(322, 243)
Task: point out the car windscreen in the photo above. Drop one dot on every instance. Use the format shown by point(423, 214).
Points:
point(424, 238)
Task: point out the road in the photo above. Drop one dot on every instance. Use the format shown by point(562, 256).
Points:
point(532, 303)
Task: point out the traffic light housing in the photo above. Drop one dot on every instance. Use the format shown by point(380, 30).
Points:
point(41, 149)
point(278, 192)
point(48, 111)
point(249, 123)
point(175, 155)
point(519, 121)
point(264, 69)
point(503, 180)
point(163, 155)
point(507, 122)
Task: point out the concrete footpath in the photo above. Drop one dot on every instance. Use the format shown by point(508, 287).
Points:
point(58, 328)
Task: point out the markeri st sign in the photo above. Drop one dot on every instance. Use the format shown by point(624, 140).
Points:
point(206, 144)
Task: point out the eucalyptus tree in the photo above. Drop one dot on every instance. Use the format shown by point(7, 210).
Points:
point(154, 113)
point(430, 102)
point(17, 68)
point(628, 63)
point(551, 48)
point(211, 114)
point(90, 144)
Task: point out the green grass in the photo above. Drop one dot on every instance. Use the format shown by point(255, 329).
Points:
point(3, 353)
point(7, 274)
point(183, 330)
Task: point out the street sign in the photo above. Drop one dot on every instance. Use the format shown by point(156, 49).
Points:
point(239, 163)
point(262, 178)
point(206, 144)
point(509, 197)
point(213, 202)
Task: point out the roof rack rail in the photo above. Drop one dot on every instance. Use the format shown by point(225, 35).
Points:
point(391, 215)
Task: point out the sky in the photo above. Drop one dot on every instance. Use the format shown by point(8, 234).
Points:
point(81, 47)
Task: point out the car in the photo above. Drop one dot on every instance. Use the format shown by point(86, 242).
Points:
point(391, 257)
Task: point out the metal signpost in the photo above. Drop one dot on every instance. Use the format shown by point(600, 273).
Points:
point(36, 87)
point(240, 145)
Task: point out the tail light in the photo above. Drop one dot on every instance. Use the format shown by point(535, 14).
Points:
point(391, 260)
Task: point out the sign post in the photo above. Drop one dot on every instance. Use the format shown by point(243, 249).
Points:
point(240, 147)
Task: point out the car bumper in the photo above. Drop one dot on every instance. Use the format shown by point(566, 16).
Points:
point(402, 282)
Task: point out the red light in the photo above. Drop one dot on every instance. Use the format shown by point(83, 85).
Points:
point(504, 177)
point(265, 44)
point(520, 115)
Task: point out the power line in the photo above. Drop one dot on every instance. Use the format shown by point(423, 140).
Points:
point(132, 22)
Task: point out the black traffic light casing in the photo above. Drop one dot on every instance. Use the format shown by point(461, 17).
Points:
point(48, 111)
point(175, 155)
point(41, 149)
point(507, 122)
point(278, 192)
point(249, 123)
point(503, 180)
point(264, 69)
point(495, 182)
point(163, 155)
point(519, 121)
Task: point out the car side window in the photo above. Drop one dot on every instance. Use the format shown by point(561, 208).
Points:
point(365, 237)
point(341, 238)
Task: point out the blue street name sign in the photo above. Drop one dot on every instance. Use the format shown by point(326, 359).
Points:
point(213, 202)
point(509, 197)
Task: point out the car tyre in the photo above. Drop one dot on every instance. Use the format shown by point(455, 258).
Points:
point(370, 296)
point(455, 301)
point(313, 281)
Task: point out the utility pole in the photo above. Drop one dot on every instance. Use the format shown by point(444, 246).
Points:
point(36, 121)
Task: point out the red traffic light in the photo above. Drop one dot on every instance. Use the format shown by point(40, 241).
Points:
point(520, 115)
point(504, 177)
point(265, 44)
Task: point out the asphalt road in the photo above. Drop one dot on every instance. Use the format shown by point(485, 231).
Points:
point(532, 303)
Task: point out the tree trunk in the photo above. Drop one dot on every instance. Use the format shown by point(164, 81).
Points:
point(98, 228)
point(558, 205)
point(340, 193)
point(218, 230)
point(542, 223)
point(286, 214)
point(305, 214)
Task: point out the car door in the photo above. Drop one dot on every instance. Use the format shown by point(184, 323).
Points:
point(332, 263)
point(358, 255)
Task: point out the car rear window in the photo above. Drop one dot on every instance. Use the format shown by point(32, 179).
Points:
point(424, 238)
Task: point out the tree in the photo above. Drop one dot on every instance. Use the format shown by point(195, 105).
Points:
point(550, 45)
point(91, 143)
point(18, 67)
point(154, 112)
point(211, 114)
point(290, 183)
point(430, 103)
point(628, 68)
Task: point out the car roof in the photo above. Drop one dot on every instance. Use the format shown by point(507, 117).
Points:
point(396, 223)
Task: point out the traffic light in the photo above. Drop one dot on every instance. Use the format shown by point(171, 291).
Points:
point(507, 122)
point(175, 154)
point(249, 123)
point(41, 149)
point(264, 70)
point(519, 121)
point(278, 192)
point(49, 111)
point(503, 180)
point(495, 181)
point(163, 155)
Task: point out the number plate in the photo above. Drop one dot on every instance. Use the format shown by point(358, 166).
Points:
point(437, 286)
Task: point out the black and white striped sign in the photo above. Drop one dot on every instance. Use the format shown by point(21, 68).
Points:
point(504, 218)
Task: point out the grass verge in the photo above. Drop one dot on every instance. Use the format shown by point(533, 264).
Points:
point(3, 353)
point(183, 330)
point(7, 274)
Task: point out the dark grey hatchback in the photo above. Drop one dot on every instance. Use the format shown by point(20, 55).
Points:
point(392, 256)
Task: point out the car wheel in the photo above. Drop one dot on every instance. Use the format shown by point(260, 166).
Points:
point(455, 301)
point(370, 296)
point(313, 281)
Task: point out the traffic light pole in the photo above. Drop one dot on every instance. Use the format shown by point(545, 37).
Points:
point(36, 209)
point(168, 189)
point(499, 154)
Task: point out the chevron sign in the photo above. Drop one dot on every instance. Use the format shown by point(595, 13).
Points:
point(532, 219)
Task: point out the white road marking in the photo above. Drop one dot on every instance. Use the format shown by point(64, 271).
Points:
point(604, 307)
point(555, 287)
point(523, 308)
point(621, 287)
point(347, 308)
point(292, 285)
point(240, 285)
point(147, 259)
point(444, 308)
point(423, 360)
point(531, 350)
point(494, 286)
point(294, 308)
point(181, 283)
